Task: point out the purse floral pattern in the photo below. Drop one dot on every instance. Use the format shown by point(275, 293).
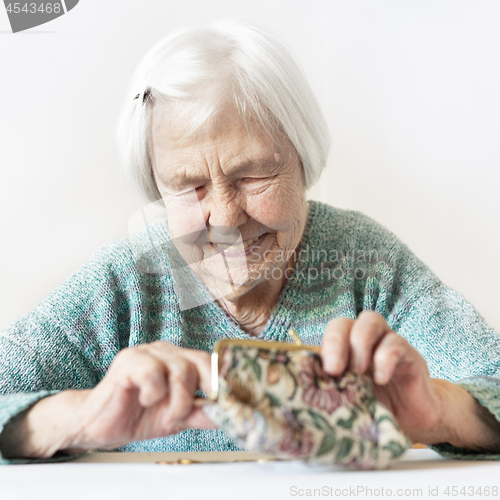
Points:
point(282, 402)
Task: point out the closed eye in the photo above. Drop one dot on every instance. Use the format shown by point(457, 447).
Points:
point(249, 180)
point(255, 185)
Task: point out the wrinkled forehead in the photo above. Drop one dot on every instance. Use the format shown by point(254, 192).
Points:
point(177, 124)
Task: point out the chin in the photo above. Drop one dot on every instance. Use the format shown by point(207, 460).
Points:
point(234, 283)
point(243, 280)
point(236, 295)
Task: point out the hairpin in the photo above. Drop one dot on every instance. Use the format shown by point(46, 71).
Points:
point(145, 97)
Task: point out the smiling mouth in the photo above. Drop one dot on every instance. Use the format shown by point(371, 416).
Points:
point(238, 249)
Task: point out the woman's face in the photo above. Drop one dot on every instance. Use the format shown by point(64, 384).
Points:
point(234, 196)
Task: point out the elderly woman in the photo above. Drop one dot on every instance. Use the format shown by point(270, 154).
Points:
point(222, 126)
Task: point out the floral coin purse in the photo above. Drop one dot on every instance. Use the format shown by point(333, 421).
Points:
point(275, 398)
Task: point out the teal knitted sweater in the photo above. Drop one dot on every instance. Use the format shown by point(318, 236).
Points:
point(347, 263)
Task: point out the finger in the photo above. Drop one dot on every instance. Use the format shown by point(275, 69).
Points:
point(391, 351)
point(197, 419)
point(200, 359)
point(335, 346)
point(183, 382)
point(366, 333)
point(184, 367)
point(141, 371)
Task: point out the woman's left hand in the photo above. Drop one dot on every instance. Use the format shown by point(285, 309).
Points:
point(400, 375)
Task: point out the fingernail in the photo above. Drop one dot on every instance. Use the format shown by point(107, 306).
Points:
point(330, 363)
point(380, 376)
point(356, 367)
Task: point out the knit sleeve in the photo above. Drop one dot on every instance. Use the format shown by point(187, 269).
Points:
point(458, 346)
point(12, 405)
point(68, 341)
point(449, 333)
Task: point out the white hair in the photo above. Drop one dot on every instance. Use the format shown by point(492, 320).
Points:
point(207, 66)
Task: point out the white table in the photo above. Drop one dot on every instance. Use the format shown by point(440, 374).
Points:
point(138, 476)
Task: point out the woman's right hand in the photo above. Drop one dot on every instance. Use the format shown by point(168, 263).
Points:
point(148, 392)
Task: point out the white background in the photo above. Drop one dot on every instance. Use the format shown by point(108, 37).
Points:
point(410, 90)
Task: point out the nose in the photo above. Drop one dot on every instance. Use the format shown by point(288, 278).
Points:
point(224, 211)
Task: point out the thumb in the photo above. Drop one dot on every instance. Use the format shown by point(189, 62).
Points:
point(198, 419)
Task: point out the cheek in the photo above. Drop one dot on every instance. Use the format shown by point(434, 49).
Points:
point(263, 209)
point(185, 219)
point(185, 228)
point(279, 209)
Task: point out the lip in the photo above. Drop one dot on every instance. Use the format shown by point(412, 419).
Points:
point(239, 253)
